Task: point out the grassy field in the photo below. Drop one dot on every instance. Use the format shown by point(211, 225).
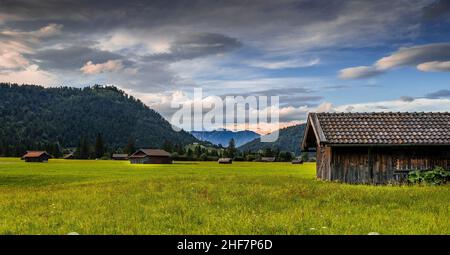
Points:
point(111, 197)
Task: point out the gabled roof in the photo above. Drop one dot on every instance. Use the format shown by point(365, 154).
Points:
point(35, 154)
point(378, 128)
point(150, 152)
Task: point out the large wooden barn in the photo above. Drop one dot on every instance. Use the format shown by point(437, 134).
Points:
point(377, 148)
point(151, 156)
point(36, 156)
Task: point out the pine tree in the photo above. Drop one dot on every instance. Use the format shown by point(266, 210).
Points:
point(198, 151)
point(231, 148)
point(83, 149)
point(99, 146)
point(167, 146)
point(131, 147)
point(189, 152)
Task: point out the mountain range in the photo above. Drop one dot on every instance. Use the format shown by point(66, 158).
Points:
point(222, 136)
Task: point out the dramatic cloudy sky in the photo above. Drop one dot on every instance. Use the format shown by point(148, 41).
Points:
point(357, 55)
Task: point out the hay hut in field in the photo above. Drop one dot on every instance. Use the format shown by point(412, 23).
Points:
point(36, 156)
point(225, 161)
point(151, 156)
point(268, 159)
point(377, 148)
point(297, 161)
point(69, 156)
point(117, 156)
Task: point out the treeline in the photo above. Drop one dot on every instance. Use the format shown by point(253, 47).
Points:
point(18, 150)
point(201, 153)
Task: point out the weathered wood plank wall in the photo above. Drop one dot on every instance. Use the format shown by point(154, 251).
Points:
point(379, 165)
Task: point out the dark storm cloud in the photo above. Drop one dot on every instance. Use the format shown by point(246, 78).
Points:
point(437, 9)
point(444, 93)
point(101, 14)
point(73, 57)
point(192, 46)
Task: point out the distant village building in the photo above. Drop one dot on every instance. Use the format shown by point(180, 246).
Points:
point(268, 159)
point(151, 156)
point(69, 156)
point(377, 148)
point(36, 156)
point(117, 156)
point(225, 161)
point(297, 161)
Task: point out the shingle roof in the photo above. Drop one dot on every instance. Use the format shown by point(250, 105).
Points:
point(384, 128)
point(34, 154)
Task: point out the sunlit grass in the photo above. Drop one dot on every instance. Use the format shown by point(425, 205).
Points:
point(115, 197)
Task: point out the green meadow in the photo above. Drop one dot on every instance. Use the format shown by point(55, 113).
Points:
point(115, 197)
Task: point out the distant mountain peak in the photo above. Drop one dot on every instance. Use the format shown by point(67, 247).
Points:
point(288, 140)
point(222, 136)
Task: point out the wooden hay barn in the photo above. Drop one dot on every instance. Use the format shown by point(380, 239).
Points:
point(36, 156)
point(151, 156)
point(268, 159)
point(69, 156)
point(225, 161)
point(377, 148)
point(117, 156)
point(297, 161)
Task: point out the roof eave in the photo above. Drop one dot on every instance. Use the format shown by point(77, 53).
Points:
point(383, 144)
point(313, 122)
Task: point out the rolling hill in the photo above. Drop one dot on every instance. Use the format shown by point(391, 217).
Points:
point(31, 115)
point(289, 140)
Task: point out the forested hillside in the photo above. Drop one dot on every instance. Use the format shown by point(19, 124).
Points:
point(34, 117)
point(289, 140)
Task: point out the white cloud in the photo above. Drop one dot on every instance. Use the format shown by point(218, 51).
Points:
point(428, 57)
point(358, 72)
point(155, 42)
point(12, 59)
point(108, 66)
point(31, 75)
point(415, 55)
point(281, 64)
point(434, 66)
point(46, 31)
point(417, 105)
point(49, 30)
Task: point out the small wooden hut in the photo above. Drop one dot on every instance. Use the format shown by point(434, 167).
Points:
point(151, 156)
point(225, 161)
point(268, 159)
point(36, 156)
point(377, 148)
point(117, 156)
point(297, 161)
